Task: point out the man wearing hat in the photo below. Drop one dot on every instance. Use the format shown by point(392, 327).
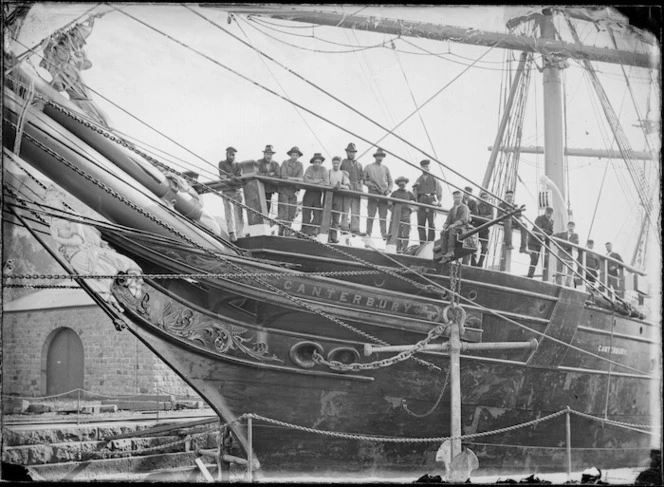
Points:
point(268, 167)
point(504, 208)
point(456, 222)
point(312, 200)
point(378, 180)
point(229, 170)
point(542, 228)
point(614, 270)
point(564, 272)
point(485, 214)
point(428, 191)
point(469, 201)
point(356, 176)
point(403, 233)
point(292, 170)
point(338, 180)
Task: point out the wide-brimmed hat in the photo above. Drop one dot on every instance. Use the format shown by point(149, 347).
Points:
point(231, 149)
point(401, 178)
point(317, 155)
point(380, 152)
point(269, 150)
point(425, 162)
point(351, 147)
point(295, 149)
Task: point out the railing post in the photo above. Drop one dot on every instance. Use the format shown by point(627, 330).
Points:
point(605, 275)
point(569, 443)
point(548, 269)
point(326, 217)
point(250, 456)
point(78, 406)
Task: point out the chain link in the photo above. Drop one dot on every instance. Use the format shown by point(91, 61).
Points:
point(39, 286)
point(224, 275)
point(387, 362)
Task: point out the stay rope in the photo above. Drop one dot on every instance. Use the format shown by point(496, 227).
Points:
point(334, 319)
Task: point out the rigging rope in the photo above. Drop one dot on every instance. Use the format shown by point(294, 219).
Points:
point(216, 255)
point(271, 91)
point(313, 132)
point(623, 144)
point(102, 130)
point(312, 112)
point(419, 113)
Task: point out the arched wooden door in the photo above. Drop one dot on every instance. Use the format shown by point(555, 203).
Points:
point(64, 365)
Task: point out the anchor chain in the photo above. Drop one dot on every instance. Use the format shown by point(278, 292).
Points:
point(405, 355)
point(404, 405)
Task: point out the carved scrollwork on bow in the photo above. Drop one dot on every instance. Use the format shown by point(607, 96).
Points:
point(179, 320)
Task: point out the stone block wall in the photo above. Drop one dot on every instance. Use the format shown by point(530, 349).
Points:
point(115, 362)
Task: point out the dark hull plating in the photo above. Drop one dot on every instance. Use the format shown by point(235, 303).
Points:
point(259, 377)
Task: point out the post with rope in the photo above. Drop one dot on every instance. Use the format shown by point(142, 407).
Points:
point(455, 381)
point(250, 447)
point(568, 439)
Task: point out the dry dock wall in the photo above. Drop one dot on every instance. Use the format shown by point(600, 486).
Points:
point(113, 362)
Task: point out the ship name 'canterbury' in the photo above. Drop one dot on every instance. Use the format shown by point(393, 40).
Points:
point(369, 301)
point(613, 350)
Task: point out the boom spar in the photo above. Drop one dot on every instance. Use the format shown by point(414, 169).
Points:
point(460, 35)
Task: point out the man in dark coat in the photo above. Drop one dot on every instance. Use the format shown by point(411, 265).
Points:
point(505, 208)
point(403, 232)
point(356, 176)
point(592, 263)
point(565, 274)
point(429, 191)
point(484, 211)
point(268, 167)
point(542, 228)
point(229, 170)
point(291, 169)
point(456, 222)
point(614, 277)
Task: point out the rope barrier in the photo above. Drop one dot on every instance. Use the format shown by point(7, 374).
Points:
point(615, 423)
point(387, 439)
point(105, 396)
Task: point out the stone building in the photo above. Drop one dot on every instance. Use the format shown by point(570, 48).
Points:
point(57, 340)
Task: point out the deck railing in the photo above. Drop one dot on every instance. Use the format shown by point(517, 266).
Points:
point(253, 185)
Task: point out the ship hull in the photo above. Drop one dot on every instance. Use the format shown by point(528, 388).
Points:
point(405, 400)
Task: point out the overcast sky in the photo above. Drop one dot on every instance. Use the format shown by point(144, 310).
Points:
point(206, 108)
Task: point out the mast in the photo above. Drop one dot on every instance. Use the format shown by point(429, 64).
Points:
point(553, 124)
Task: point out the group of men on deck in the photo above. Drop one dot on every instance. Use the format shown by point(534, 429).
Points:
point(542, 229)
point(345, 174)
point(349, 174)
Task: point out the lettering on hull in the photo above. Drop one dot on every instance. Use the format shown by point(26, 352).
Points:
point(612, 350)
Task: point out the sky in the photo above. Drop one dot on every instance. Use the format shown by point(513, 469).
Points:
point(206, 108)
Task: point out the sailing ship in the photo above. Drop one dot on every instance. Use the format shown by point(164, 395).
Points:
point(283, 327)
